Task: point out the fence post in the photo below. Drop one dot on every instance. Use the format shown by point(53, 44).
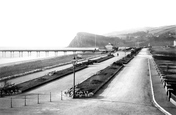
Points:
point(61, 95)
point(38, 99)
point(25, 100)
point(50, 96)
point(11, 103)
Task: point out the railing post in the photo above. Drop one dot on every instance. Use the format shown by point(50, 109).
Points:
point(25, 100)
point(73, 81)
point(38, 99)
point(50, 96)
point(11, 103)
point(61, 95)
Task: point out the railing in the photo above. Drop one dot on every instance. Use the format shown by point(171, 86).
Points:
point(31, 99)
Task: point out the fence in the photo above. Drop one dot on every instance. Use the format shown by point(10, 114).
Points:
point(30, 99)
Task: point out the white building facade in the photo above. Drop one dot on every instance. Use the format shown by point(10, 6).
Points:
point(174, 43)
point(109, 47)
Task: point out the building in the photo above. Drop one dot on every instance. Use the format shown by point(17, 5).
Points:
point(174, 43)
point(109, 47)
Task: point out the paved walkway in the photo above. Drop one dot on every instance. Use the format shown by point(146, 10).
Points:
point(129, 93)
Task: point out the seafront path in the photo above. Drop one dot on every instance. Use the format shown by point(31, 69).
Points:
point(128, 93)
point(54, 87)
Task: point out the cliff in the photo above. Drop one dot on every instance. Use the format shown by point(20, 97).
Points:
point(156, 36)
point(83, 39)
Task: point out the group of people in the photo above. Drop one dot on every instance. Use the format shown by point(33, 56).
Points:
point(78, 93)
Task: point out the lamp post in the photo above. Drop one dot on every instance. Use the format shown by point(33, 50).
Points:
point(74, 62)
point(125, 50)
point(95, 42)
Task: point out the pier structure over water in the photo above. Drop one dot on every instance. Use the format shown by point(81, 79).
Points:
point(38, 51)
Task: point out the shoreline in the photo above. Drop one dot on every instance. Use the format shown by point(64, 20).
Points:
point(30, 67)
point(30, 60)
point(30, 84)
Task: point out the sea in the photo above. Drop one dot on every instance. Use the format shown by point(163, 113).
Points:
point(9, 59)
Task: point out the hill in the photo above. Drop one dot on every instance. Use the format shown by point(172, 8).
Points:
point(155, 36)
point(164, 35)
point(122, 33)
point(83, 39)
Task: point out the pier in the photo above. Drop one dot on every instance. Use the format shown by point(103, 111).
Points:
point(38, 51)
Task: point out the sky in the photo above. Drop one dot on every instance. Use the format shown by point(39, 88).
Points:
point(54, 23)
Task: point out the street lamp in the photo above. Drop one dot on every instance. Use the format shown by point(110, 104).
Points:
point(74, 63)
point(125, 50)
point(95, 42)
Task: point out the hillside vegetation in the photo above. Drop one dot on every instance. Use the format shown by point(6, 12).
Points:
point(157, 36)
point(83, 39)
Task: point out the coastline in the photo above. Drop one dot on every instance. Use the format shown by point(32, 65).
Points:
point(26, 60)
point(31, 66)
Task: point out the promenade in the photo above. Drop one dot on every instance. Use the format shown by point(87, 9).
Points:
point(128, 93)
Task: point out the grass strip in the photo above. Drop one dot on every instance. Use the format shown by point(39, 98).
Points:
point(93, 84)
point(51, 76)
point(38, 65)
